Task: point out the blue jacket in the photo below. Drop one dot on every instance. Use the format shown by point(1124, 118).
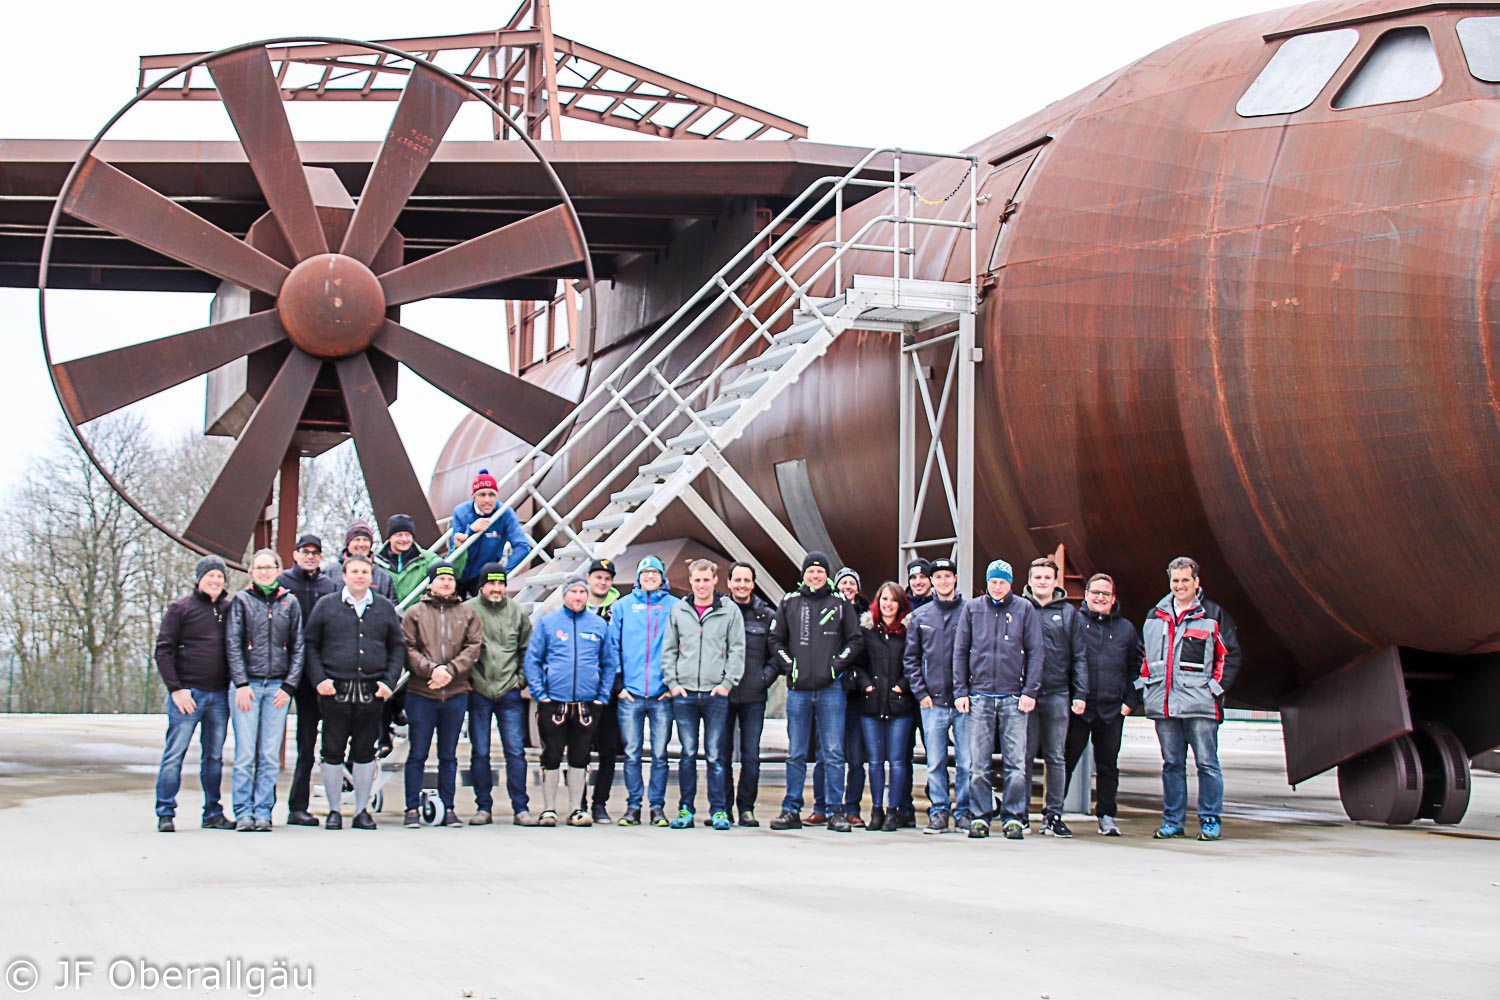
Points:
point(998, 648)
point(504, 527)
point(636, 626)
point(570, 659)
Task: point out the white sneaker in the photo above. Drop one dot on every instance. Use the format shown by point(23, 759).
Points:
point(1108, 827)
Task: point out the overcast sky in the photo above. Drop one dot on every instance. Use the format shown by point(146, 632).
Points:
point(938, 74)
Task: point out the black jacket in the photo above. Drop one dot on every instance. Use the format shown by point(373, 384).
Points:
point(760, 672)
point(880, 666)
point(814, 637)
point(928, 659)
point(307, 588)
point(1113, 646)
point(190, 643)
point(343, 646)
point(264, 638)
point(1066, 670)
point(380, 581)
point(1231, 637)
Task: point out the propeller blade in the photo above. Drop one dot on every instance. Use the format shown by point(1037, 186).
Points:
point(389, 477)
point(248, 88)
point(103, 383)
point(422, 117)
point(527, 411)
point(535, 244)
point(113, 200)
point(228, 514)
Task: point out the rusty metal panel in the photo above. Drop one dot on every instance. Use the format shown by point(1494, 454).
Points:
point(1344, 714)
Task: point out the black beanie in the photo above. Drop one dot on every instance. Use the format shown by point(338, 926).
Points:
point(814, 558)
point(440, 568)
point(398, 523)
point(207, 565)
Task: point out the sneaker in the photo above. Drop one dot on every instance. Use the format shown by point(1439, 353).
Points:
point(218, 822)
point(962, 821)
point(451, 818)
point(721, 820)
point(747, 818)
point(892, 823)
point(854, 820)
point(164, 824)
point(816, 818)
point(245, 825)
point(978, 829)
point(481, 818)
point(838, 823)
point(1210, 829)
point(411, 820)
point(301, 817)
point(523, 818)
point(1015, 830)
point(335, 821)
point(601, 815)
point(548, 818)
point(788, 820)
point(580, 818)
point(630, 817)
point(1108, 827)
point(262, 825)
point(659, 817)
point(937, 823)
point(684, 820)
point(1167, 831)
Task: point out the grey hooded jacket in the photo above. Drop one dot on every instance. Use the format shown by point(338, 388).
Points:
point(702, 655)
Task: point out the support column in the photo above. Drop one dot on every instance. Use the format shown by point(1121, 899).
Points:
point(289, 491)
point(968, 359)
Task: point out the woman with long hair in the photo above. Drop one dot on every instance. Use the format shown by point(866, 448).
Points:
point(888, 710)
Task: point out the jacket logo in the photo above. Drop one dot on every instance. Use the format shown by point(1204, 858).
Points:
point(1057, 618)
point(562, 636)
point(591, 637)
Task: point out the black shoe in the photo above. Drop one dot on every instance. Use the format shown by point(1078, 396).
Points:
point(363, 820)
point(411, 819)
point(1059, 828)
point(906, 820)
point(747, 818)
point(218, 822)
point(600, 814)
point(301, 817)
point(335, 821)
point(788, 820)
point(877, 818)
point(262, 825)
point(838, 823)
point(937, 823)
point(450, 818)
point(891, 825)
point(164, 824)
point(961, 822)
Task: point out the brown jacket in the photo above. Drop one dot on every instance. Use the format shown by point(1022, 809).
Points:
point(441, 631)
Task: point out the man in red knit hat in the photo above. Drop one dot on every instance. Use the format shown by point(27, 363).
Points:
point(497, 527)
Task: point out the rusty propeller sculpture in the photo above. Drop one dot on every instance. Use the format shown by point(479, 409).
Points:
point(326, 278)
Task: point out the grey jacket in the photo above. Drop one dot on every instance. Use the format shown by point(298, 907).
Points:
point(702, 655)
point(998, 648)
point(263, 638)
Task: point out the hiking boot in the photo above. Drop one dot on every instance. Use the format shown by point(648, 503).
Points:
point(411, 820)
point(937, 823)
point(523, 818)
point(218, 822)
point(1168, 831)
point(262, 825)
point(601, 815)
point(164, 824)
point(788, 820)
point(630, 817)
point(363, 820)
point(1015, 830)
point(747, 818)
point(548, 818)
point(838, 823)
point(481, 818)
point(659, 816)
point(816, 818)
point(877, 818)
point(301, 817)
point(335, 821)
point(450, 818)
point(684, 819)
point(244, 825)
point(854, 820)
point(962, 821)
point(891, 824)
point(1210, 829)
point(721, 820)
point(1108, 827)
point(580, 818)
point(978, 829)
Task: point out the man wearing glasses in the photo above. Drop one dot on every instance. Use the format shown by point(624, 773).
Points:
point(1112, 646)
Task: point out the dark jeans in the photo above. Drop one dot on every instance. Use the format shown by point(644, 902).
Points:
point(211, 712)
point(349, 725)
point(712, 711)
point(607, 746)
point(827, 706)
point(509, 713)
point(854, 764)
point(423, 717)
point(1047, 737)
point(991, 721)
point(566, 726)
point(307, 746)
point(886, 744)
point(1105, 736)
point(751, 720)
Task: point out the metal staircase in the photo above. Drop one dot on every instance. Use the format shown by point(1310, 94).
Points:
point(681, 413)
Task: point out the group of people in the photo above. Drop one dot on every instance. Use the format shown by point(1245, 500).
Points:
point(1023, 672)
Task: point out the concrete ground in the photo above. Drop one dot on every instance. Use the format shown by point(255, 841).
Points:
point(1296, 902)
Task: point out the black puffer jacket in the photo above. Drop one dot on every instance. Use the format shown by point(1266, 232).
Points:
point(1114, 649)
point(1066, 670)
point(264, 638)
point(760, 672)
point(307, 587)
point(880, 666)
point(814, 638)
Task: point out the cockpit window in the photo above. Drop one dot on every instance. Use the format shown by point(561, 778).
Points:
point(1480, 37)
point(1402, 66)
point(1297, 72)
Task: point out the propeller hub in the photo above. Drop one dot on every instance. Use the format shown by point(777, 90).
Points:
point(331, 306)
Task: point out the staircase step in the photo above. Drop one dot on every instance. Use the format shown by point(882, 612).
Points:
point(748, 384)
point(775, 357)
point(720, 411)
point(632, 495)
point(799, 333)
point(571, 551)
point(546, 581)
point(605, 523)
point(664, 466)
point(688, 439)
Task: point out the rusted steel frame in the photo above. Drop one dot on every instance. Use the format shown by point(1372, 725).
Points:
point(289, 488)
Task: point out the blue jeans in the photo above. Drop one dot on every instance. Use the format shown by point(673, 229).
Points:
point(633, 715)
point(827, 706)
point(989, 718)
point(258, 736)
point(212, 712)
point(751, 717)
point(1047, 737)
point(1175, 735)
point(854, 764)
point(423, 716)
point(885, 744)
point(936, 722)
point(509, 713)
point(712, 710)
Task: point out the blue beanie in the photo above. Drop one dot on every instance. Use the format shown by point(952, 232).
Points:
point(650, 562)
point(999, 570)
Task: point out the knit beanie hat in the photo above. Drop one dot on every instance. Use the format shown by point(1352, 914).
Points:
point(483, 481)
point(846, 571)
point(356, 529)
point(440, 568)
point(492, 572)
point(576, 580)
point(943, 563)
point(650, 562)
point(918, 567)
point(398, 523)
point(815, 558)
point(207, 565)
point(999, 570)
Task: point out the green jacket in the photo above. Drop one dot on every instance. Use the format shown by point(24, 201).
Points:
point(702, 655)
point(603, 609)
point(507, 630)
point(410, 571)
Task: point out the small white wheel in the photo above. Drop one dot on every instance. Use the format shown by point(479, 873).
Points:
point(431, 809)
point(377, 801)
